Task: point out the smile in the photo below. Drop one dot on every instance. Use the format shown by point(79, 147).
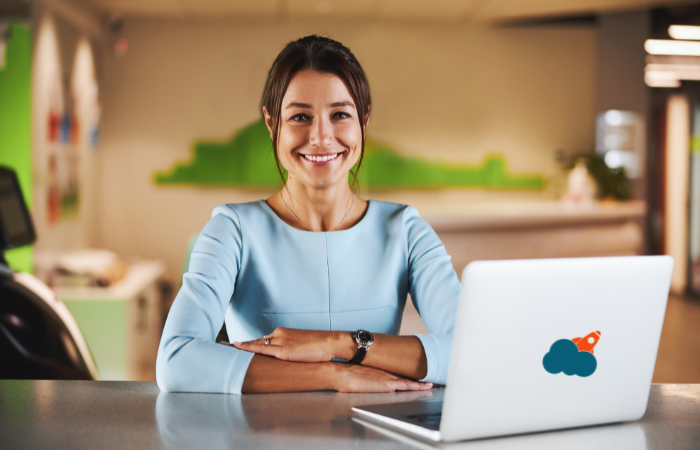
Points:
point(321, 158)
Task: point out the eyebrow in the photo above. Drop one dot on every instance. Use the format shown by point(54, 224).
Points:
point(308, 106)
point(337, 104)
point(298, 105)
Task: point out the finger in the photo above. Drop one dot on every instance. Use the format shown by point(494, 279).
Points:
point(270, 350)
point(251, 346)
point(409, 385)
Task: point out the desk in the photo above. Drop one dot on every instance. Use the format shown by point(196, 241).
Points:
point(121, 323)
point(516, 230)
point(136, 415)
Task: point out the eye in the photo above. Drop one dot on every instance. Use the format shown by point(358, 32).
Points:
point(299, 118)
point(341, 115)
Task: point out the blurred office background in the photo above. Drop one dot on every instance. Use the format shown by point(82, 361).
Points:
point(518, 129)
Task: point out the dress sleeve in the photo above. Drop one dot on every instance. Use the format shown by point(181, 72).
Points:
point(188, 358)
point(434, 289)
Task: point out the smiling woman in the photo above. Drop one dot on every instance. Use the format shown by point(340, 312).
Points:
point(294, 275)
point(320, 137)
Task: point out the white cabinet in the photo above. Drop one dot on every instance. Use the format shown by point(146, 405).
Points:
point(122, 323)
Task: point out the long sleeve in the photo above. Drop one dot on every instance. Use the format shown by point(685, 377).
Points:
point(188, 358)
point(435, 290)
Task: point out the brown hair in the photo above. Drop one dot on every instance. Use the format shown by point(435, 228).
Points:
point(320, 54)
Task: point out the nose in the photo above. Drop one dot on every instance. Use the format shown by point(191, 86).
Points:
point(321, 133)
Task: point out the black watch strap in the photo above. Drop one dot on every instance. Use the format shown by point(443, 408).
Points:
point(359, 355)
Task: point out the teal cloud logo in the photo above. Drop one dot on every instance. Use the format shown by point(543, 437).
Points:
point(573, 357)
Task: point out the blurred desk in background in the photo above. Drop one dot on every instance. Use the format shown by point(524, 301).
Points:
point(121, 323)
point(529, 229)
point(536, 229)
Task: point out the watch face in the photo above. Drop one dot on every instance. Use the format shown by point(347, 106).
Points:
point(365, 337)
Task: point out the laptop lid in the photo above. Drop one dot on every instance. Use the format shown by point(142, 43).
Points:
point(554, 343)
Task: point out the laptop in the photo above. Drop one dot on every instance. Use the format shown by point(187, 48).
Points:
point(542, 345)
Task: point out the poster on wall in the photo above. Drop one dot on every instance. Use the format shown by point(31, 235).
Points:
point(70, 118)
point(63, 142)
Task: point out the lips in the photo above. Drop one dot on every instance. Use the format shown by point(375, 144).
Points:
point(326, 157)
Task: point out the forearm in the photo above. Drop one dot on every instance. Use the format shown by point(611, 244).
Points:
point(268, 374)
point(402, 355)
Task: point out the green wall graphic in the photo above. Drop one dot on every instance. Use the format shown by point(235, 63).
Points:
point(16, 123)
point(247, 160)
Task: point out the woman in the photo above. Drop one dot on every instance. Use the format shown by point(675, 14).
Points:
point(314, 262)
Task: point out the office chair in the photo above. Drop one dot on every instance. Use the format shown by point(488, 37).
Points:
point(39, 338)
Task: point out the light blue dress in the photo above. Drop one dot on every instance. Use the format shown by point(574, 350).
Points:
point(256, 272)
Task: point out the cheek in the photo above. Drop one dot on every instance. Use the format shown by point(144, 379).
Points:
point(291, 138)
point(352, 139)
point(349, 136)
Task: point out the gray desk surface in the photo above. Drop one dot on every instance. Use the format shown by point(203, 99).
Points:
point(136, 415)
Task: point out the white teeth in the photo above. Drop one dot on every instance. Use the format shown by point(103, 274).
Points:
point(321, 158)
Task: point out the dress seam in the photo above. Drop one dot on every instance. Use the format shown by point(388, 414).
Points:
point(326, 312)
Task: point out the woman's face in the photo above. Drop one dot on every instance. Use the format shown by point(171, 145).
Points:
point(320, 138)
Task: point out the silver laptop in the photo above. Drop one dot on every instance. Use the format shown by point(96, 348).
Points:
point(545, 344)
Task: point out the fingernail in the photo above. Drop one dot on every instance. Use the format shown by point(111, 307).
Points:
point(236, 343)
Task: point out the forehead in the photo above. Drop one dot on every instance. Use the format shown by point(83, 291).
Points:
point(317, 89)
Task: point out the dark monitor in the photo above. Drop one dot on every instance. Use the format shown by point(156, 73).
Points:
point(16, 229)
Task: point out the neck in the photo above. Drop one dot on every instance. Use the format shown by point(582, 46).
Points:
point(318, 209)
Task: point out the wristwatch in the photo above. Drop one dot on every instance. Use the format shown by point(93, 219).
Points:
point(364, 339)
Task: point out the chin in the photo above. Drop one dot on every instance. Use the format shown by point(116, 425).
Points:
point(324, 183)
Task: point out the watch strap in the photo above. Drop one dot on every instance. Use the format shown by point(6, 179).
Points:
point(359, 355)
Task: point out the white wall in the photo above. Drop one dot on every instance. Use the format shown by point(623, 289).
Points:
point(443, 91)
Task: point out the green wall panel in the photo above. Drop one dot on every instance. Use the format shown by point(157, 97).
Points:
point(246, 160)
point(16, 123)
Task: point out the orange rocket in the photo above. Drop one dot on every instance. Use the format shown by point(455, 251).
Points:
point(586, 343)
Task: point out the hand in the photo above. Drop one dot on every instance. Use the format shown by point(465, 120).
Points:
point(289, 344)
point(357, 378)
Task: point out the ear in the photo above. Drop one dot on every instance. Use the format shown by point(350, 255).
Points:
point(268, 120)
point(366, 121)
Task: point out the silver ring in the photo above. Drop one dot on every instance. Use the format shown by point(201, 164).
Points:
point(267, 341)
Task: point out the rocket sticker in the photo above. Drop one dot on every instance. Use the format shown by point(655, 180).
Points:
point(587, 343)
point(573, 356)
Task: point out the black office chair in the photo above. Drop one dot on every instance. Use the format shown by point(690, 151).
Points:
point(39, 338)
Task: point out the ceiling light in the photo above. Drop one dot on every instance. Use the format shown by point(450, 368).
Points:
point(684, 32)
point(661, 75)
point(669, 47)
point(662, 82)
point(680, 72)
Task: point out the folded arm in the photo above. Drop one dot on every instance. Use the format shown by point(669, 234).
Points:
point(401, 355)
